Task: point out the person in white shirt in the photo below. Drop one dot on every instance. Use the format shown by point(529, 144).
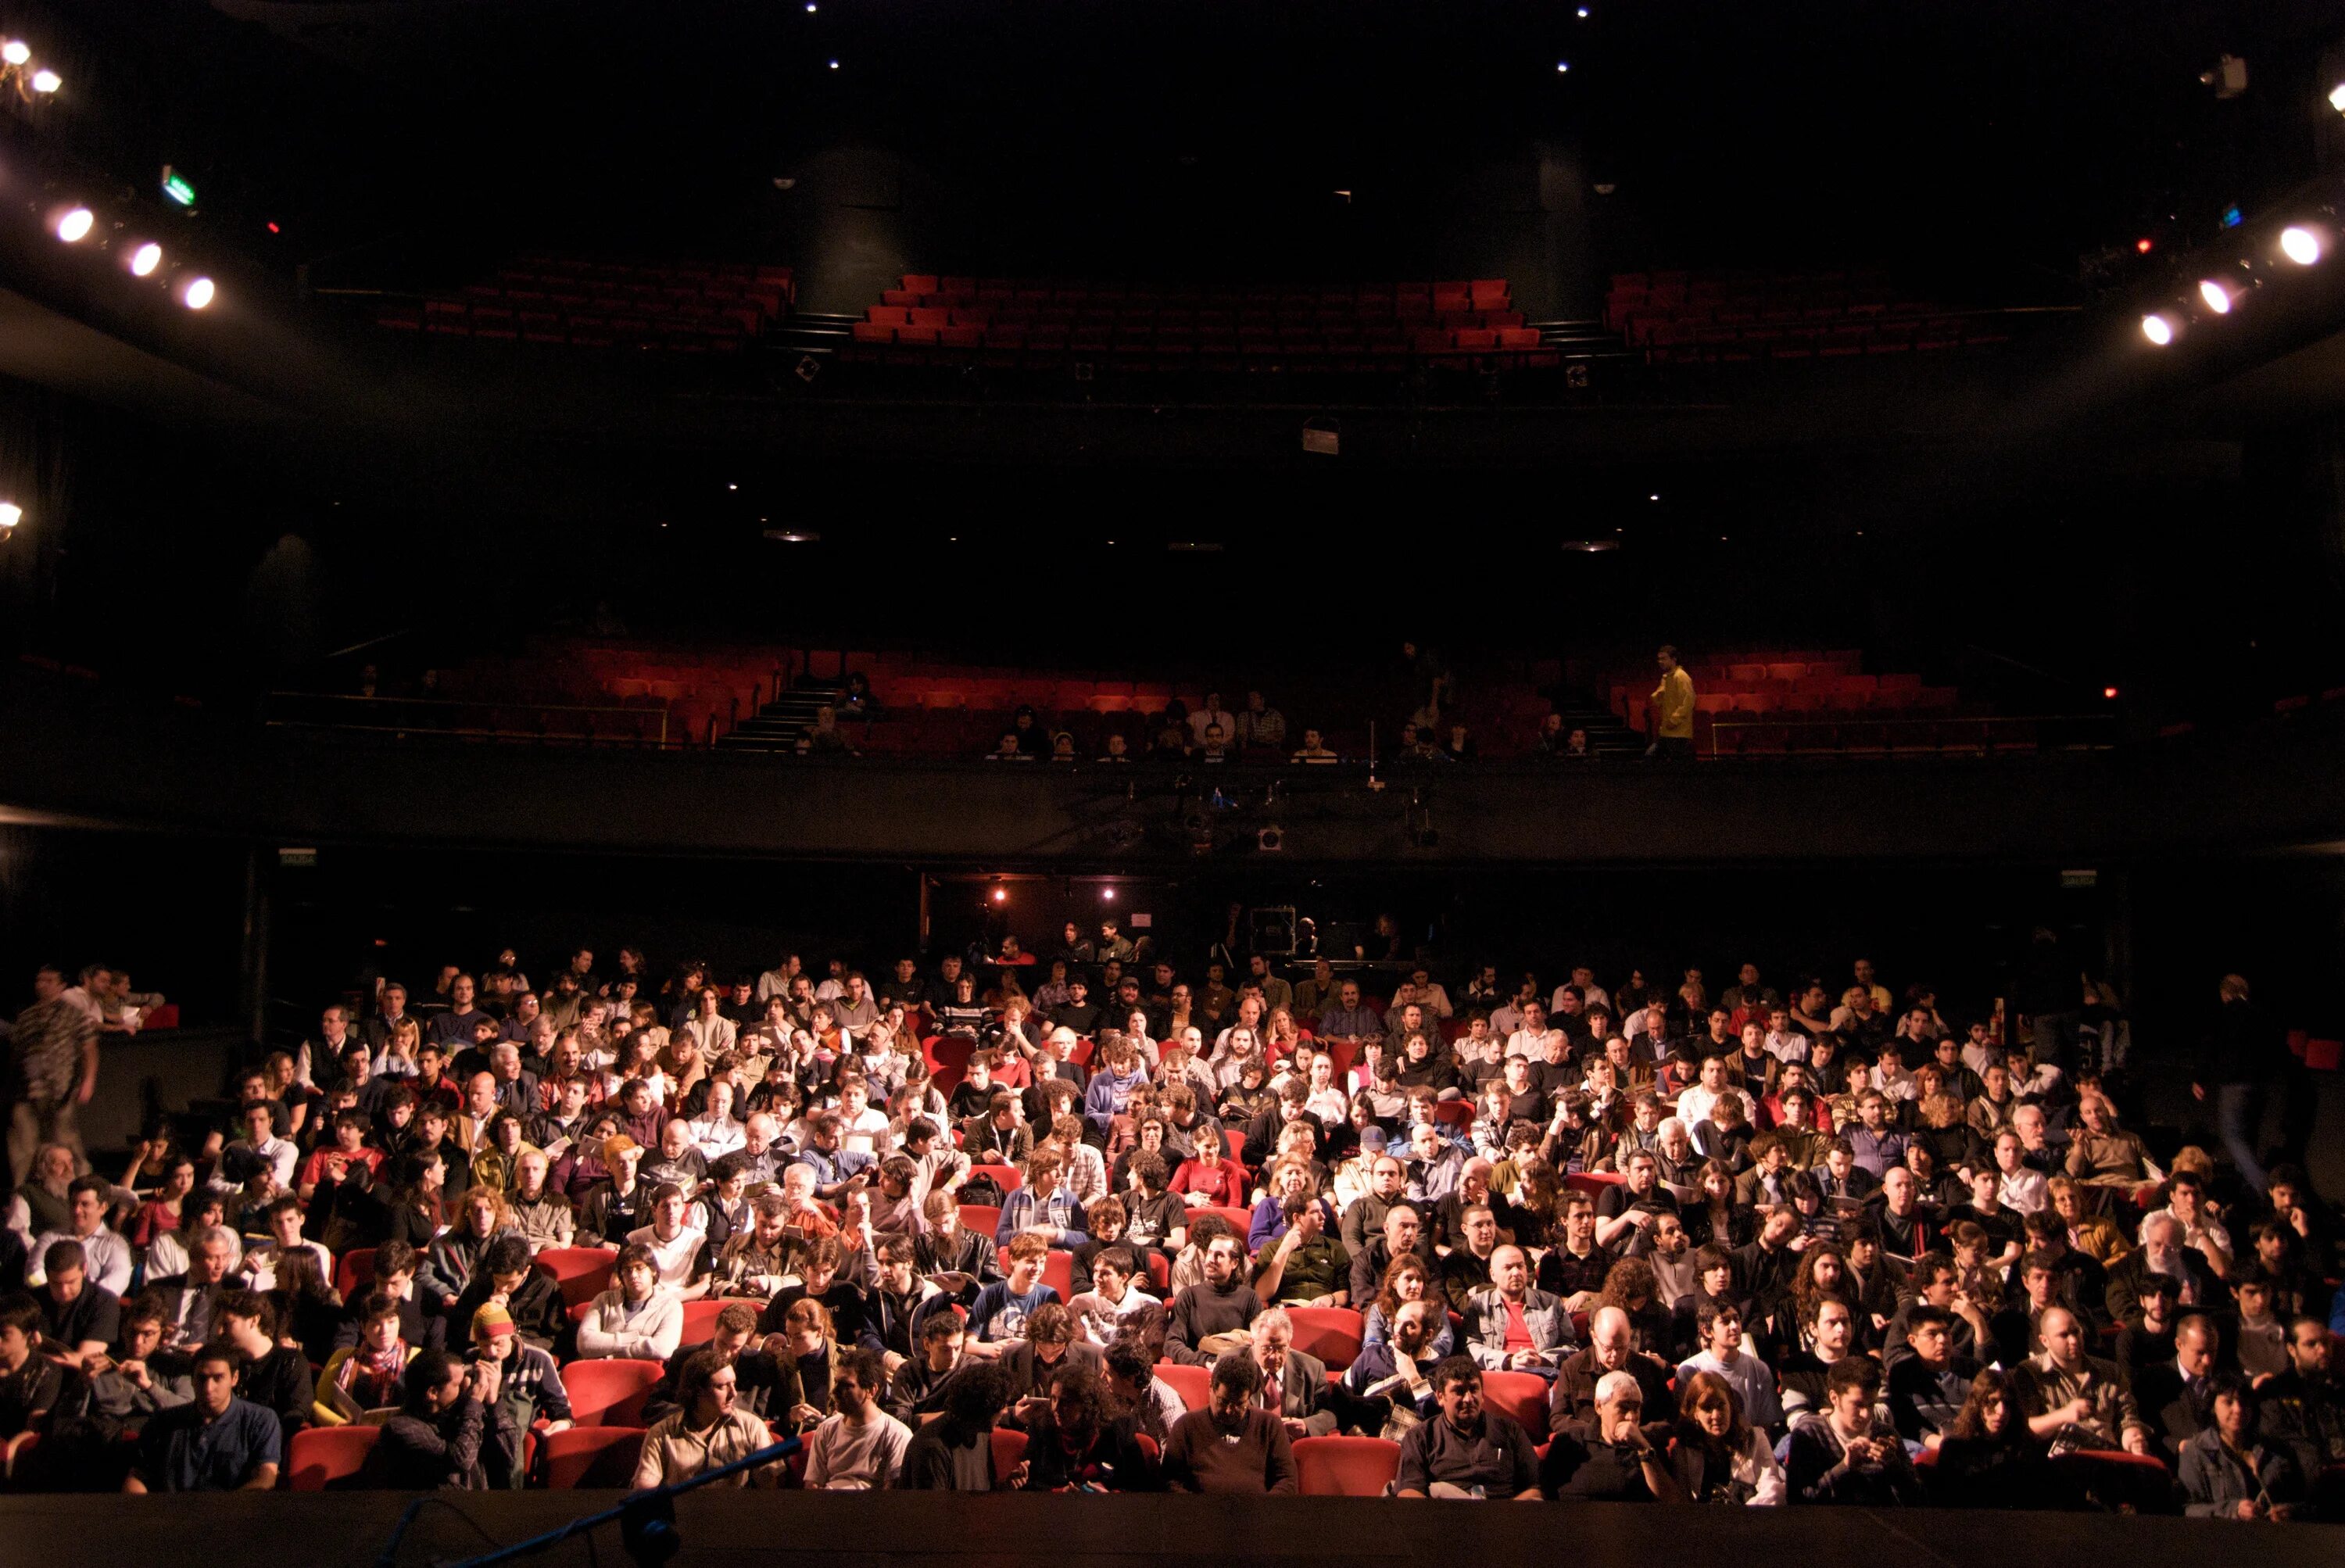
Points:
point(105, 1256)
point(1210, 713)
point(1531, 1039)
point(1591, 993)
point(775, 981)
point(859, 1447)
point(715, 1132)
point(1694, 1104)
point(1723, 1352)
point(834, 984)
point(1784, 1043)
point(260, 1264)
point(1112, 1297)
point(861, 1127)
point(2018, 1188)
point(635, 1317)
point(673, 1240)
point(260, 1148)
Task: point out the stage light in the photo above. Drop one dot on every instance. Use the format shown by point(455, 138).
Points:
point(74, 224)
point(47, 81)
point(1108, 894)
point(15, 51)
point(2143, 245)
point(10, 515)
point(1001, 895)
point(2299, 245)
point(2337, 98)
point(2158, 329)
point(197, 293)
point(1583, 12)
point(834, 64)
point(1562, 66)
point(2217, 297)
point(145, 260)
point(2110, 693)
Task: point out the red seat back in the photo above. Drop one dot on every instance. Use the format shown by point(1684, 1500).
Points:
point(984, 1218)
point(700, 1320)
point(1522, 1395)
point(610, 1392)
point(583, 1272)
point(1007, 1177)
point(597, 1457)
point(323, 1457)
point(1189, 1382)
point(1330, 1333)
point(355, 1272)
point(1344, 1466)
point(1008, 1452)
point(1058, 1273)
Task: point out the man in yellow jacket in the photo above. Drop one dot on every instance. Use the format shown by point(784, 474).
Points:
point(1672, 706)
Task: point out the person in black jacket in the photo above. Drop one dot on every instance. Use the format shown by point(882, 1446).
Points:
point(532, 1299)
point(1074, 1444)
point(394, 1275)
point(434, 1440)
point(275, 1377)
point(954, 1452)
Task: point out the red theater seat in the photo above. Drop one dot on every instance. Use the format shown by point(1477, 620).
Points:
point(602, 1457)
point(610, 1392)
point(324, 1459)
point(1344, 1466)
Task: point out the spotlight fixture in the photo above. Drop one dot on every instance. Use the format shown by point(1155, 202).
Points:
point(1107, 895)
point(2144, 245)
point(196, 292)
point(2217, 296)
point(1000, 894)
point(145, 260)
point(1269, 839)
point(2109, 694)
point(2158, 329)
point(15, 51)
point(2300, 244)
point(2337, 98)
point(74, 223)
point(1561, 66)
point(10, 515)
point(834, 64)
point(47, 81)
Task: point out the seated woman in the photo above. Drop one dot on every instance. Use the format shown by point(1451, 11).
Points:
point(707, 1430)
point(1989, 1458)
point(1717, 1455)
point(369, 1376)
point(1075, 1444)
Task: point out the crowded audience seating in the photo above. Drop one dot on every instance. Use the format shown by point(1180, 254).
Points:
point(1011, 322)
point(675, 307)
point(2046, 1203)
point(1726, 317)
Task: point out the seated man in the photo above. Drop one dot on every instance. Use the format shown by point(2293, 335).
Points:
point(1232, 1445)
point(1850, 1456)
point(1927, 1388)
point(1722, 1351)
point(1213, 1315)
point(1513, 1327)
point(1468, 1450)
point(708, 1430)
point(1294, 1385)
point(215, 1443)
point(1399, 1366)
point(998, 1319)
point(859, 1447)
point(1612, 1347)
point(1618, 1462)
point(2074, 1398)
point(2100, 1151)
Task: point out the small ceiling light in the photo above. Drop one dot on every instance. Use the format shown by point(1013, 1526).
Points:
point(145, 260)
point(732, 487)
point(2110, 693)
point(15, 51)
point(2158, 329)
point(47, 81)
point(197, 293)
point(793, 536)
point(1655, 497)
point(10, 515)
point(1562, 66)
point(2299, 245)
point(75, 224)
point(1001, 895)
point(1583, 12)
point(2336, 96)
point(834, 64)
point(1108, 894)
point(2144, 245)
point(2217, 297)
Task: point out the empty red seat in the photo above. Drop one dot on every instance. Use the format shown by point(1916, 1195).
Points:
point(328, 1458)
point(1344, 1466)
point(610, 1391)
point(603, 1458)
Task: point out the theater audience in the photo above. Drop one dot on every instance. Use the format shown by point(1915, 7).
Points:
point(1948, 1259)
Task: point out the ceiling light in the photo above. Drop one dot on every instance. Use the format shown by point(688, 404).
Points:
point(145, 260)
point(15, 51)
point(2299, 245)
point(74, 224)
point(2337, 98)
point(2217, 297)
point(1562, 66)
point(197, 293)
point(1590, 546)
point(2158, 329)
point(47, 81)
point(2110, 693)
point(794, 535)
point(2142, 244)
point(10, 515)
point(834, 64)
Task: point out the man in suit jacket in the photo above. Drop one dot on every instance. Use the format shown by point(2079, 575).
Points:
point(1292, 1384)
point(2172, 1396)
point(191, 1300)
point(1051, 1342)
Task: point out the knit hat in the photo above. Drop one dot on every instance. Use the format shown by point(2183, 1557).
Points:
point(494, 1321)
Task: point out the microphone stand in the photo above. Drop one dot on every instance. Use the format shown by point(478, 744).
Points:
point(638, 1502)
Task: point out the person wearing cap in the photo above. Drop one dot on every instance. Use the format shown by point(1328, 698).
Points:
point(528, 1388)
point(1617, 1461)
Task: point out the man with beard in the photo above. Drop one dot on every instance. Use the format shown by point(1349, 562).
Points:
point(1232, 1445)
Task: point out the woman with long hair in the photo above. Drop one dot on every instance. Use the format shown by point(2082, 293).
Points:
point(1717, 1455)
point(418, 1203)
point(1406, 1279)
point(309, 1307)
point(1989, 1458)
point(1716, 1217)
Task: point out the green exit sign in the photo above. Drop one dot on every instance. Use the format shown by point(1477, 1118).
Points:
point(177, 188)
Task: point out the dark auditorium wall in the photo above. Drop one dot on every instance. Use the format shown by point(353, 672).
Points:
point(170, 909)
